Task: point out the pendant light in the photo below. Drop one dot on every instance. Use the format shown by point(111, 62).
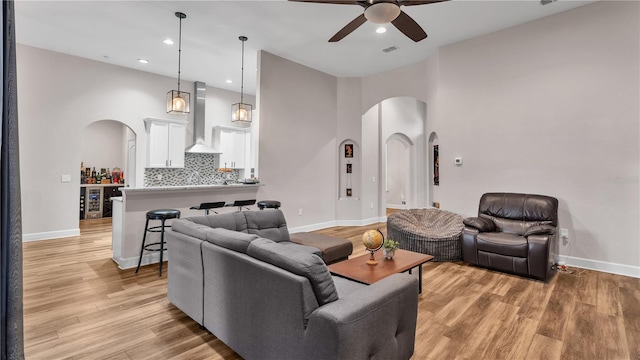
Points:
point(241, 111)
point(178, 101)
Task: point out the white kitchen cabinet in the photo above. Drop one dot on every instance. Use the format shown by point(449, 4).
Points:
point(165, 142)
point(235, 144)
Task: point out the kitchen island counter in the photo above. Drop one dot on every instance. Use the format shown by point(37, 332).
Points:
point(129, 220)
point(188, 187)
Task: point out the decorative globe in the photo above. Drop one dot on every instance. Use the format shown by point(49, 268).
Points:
point(372, 239)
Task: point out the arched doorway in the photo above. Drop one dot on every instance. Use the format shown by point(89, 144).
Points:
point(398, 172)
point(398, 123)
point(105, 145)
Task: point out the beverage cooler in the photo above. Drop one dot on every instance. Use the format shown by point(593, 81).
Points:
point(93, 202)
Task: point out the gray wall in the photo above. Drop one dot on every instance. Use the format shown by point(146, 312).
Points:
point(547, 107)
point(550, 107)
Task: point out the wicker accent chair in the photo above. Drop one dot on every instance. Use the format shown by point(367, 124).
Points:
point(514, 233)
point(428, 231)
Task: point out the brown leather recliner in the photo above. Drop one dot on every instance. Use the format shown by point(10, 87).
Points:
point(515, 233)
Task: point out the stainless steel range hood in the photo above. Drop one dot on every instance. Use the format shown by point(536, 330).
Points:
point(199, 146)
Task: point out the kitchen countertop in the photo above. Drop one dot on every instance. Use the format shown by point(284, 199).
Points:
point(188, 187)
point(101, 185)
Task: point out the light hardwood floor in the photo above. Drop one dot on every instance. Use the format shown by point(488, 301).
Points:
point(79, 305)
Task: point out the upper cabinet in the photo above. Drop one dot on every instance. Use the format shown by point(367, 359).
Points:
point(235, 145)
point(165, 142)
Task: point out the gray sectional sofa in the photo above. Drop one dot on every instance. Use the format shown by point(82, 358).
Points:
point(239, 276)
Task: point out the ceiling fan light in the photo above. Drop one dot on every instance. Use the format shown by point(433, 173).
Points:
point(382, 12)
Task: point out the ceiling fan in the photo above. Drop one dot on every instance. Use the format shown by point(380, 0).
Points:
point(381, 12)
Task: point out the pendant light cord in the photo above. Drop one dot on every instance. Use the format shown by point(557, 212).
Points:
point(243, 39)
point(180, 16)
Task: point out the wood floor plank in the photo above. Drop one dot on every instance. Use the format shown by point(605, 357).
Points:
point(630, 303)
point(544, 348)
point(608, 295)
point(79, 305)
point(581, 344)
point(554, 319)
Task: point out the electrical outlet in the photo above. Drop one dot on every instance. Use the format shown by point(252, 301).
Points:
point(65, 178)
point(372, 205)
point(299, 212)
point(159, 177)
point(373, 179)
point(564, 235)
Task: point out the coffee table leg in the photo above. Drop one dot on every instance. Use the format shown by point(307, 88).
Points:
point(420, 279)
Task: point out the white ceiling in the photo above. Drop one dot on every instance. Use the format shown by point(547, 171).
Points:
point(120, 32)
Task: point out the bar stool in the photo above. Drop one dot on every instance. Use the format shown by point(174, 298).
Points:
point(268, 204)
point(162, 215)
point(242, 203)
point(208, 206)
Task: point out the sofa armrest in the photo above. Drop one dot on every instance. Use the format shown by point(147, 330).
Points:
point(481, 224)
point(185, 277)
point(354, 326)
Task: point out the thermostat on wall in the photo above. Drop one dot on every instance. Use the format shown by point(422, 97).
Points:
point(458, 161)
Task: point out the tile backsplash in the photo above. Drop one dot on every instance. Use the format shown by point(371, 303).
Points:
point(199, 169)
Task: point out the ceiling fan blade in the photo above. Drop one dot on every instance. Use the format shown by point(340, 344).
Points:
point(354, 24)
point(409, 27)
point(339, 2)
point(417, 2)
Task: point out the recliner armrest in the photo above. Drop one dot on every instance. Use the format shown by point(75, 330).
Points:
point(482, 224)
point(540, 230)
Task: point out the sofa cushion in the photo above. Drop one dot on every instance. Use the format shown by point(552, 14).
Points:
point(232, 240)
point(232, 221)
point(300, 247)
point(502, 243)
point(269, 224)
point(331, 249)
point(298, 262)
point(190, 228)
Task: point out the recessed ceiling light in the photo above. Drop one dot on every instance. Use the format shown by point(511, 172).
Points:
point(143, 61)
point(381, 30)
point(168, 41)
point(228, 81)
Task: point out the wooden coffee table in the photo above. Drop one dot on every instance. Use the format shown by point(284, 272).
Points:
point(357, 268)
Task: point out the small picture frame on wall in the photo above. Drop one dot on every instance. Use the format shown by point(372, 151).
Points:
point(348, 150)
point(436, 165)
point(349, 169)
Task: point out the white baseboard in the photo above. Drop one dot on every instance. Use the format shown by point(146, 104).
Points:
point(50, 235)
point(613, 268)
